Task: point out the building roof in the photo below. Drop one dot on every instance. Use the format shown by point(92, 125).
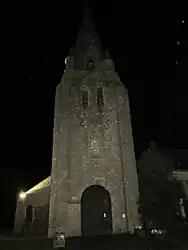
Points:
point(181, 158)
point(88, 46)
point(181, 174)
point(43, 184)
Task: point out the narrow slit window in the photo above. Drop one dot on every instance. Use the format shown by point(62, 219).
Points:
point(100, 100)
point(70, 90)
point(84, 99)
point(29, 214)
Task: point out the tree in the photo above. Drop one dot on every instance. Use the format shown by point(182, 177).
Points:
point(160, 192)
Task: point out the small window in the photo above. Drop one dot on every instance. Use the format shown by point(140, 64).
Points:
point(29, 214)
point(70, 89)
point(90, 65)
point(84, 99)
point(100, 101)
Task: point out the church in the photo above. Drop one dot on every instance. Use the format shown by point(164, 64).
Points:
point(93, 187)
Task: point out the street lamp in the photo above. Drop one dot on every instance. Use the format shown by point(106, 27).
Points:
point(22, 195)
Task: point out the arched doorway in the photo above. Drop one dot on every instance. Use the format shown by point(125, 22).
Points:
point(96, 211)
point(28, 218)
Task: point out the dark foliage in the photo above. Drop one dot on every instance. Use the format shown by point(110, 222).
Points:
point(160, 192)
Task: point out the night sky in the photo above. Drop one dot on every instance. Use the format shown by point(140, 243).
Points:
point(150, 54)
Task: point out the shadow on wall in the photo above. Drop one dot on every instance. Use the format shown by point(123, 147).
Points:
point(36, 220)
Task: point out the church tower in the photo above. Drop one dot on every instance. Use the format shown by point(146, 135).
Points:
point(94, 186)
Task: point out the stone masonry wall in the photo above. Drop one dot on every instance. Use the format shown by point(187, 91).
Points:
point(39, 201)
point(89, 148)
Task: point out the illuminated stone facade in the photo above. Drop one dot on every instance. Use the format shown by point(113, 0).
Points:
point(37, 198)
point(93, 143)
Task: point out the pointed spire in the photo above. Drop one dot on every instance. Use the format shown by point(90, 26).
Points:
point(87, 43)
point(109, 65)
point(86, 11)
point(71, 52)
point(87, 28)
point(88, 23)
point(69, 61)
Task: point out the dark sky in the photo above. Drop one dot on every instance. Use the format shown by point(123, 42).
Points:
point(150, 54)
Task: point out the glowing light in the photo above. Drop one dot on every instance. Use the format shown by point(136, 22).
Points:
point(177, 62)
point(138, 227)
point(156, 231)
point(104, 215)
point(178, 43)
point(123, 216)
point(183, 21)
point(62, 236)
point(22, 195)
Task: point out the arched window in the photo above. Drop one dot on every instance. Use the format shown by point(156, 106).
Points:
point(84, 98)
point(100, 99)
point(29, 214)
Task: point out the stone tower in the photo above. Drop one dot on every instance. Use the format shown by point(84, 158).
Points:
point(94, 187)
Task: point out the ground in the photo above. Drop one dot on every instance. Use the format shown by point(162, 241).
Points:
point(116, 242)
